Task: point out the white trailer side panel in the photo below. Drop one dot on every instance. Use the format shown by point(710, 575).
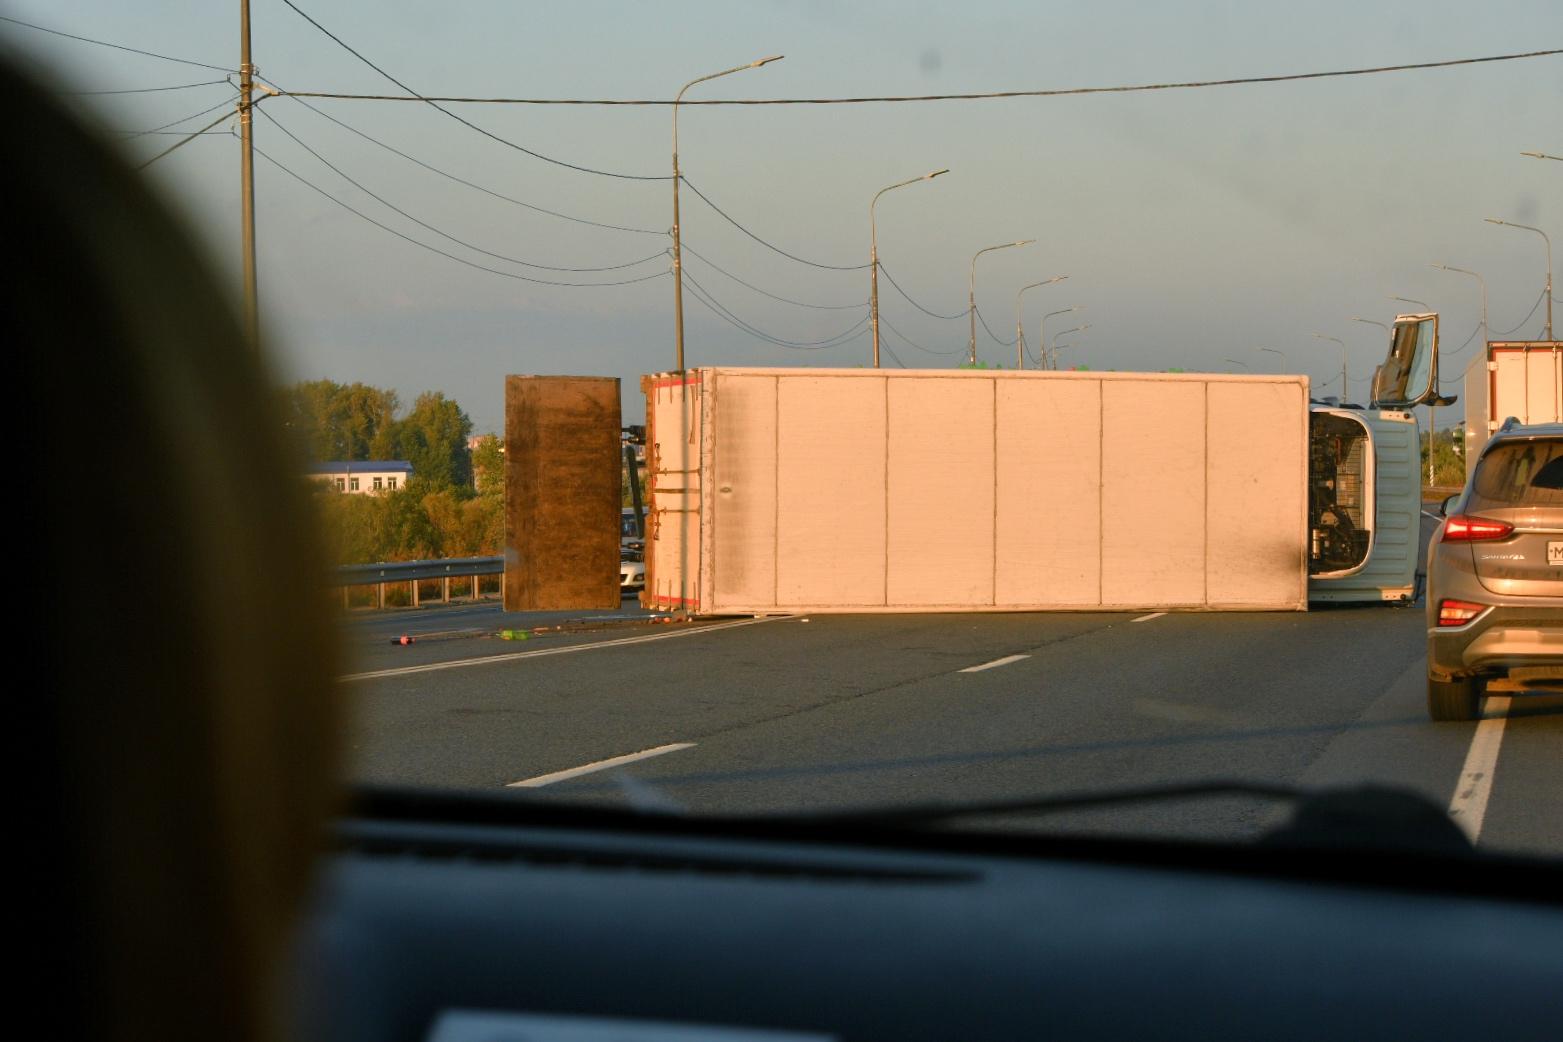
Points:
point(1249, 520)
point(830, 493)
point(1049, 493)
point(941, 519)
point(1519, 378)
point(1153, 493)
point(921, 490)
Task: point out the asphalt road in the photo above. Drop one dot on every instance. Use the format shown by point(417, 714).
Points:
point(854, 711)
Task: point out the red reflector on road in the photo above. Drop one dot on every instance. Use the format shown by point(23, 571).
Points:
point(1463, 528)
point(1458, 613)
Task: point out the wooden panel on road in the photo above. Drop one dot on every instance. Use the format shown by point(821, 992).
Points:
point(562, 492)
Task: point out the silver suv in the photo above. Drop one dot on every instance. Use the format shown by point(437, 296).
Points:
point(1495, 577)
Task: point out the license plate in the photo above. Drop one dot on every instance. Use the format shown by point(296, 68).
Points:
point(1555, 553)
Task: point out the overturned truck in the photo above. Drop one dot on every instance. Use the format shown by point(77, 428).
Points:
point(815, 490)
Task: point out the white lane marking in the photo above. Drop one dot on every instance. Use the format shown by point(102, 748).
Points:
point(1471, 792)
point(542, 652)
point(995, 664)
point(599, 765)
point(1148, 618)
point(1435, 517)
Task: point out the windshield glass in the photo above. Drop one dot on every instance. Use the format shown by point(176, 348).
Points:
point(967, 369)
point(1407, 374)
point(1519, 474)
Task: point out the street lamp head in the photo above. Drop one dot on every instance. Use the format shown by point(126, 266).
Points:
point(1023, 242)
point(766, 61)
point(936, 173)
point(1494, 220)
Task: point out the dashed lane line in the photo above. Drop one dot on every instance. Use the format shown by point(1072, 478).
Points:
point(487, 660)
point(598, 765)
point(1469, 805)
point(995, 664)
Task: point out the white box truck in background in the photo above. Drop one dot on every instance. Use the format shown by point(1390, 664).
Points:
point(851, 490)
point(1519, 378)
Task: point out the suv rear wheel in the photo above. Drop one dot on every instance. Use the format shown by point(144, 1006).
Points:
point(1454, 699)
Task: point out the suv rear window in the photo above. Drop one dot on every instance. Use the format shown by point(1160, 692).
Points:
point(1519, 474)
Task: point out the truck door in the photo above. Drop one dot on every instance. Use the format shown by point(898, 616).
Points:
point(1409, 375)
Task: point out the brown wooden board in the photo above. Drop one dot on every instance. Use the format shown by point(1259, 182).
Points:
point(562, 491)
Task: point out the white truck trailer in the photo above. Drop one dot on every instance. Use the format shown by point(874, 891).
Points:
point(1519, 378)
point(850, 490)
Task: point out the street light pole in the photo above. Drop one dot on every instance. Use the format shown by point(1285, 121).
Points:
point(1020, 333)
point(971, 291)
point(678, 255)
point(1057, 347)
point(1483, 353)
point(1042, 331)
point(247, 177)
point(873, 255)
point(1548, 241)
point(1345, 386)
point(1233, 361)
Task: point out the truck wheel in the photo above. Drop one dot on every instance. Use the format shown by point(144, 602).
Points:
point(1453, 699)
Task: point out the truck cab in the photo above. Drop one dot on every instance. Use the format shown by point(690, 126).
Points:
point(1364, 477)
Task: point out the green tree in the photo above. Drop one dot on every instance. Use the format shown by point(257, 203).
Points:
point(488, 466)
point(433, 438)
point(332, 421)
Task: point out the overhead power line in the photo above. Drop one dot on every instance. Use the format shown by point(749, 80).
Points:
point(463, 181)
point(435, 249)
point(184, 140)
point(441, 233)
point(1057, 92)
point(1525, 320)
point(466, 122)
point(146, 90)
point(912, 343)
point(933, 314)
point(834, 340)
point(766, 293)
point(115, 46)
point(984, 323)
point(131, 135)
point(768, 245)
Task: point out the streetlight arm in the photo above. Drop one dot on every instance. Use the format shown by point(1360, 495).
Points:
point(715, 75)
point(1546, 239)
point(678, 250)
point(902, 184)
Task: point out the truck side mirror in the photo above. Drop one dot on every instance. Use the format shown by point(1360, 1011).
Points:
point(1446, 506)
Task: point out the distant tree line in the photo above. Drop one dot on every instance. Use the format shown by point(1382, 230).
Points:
point(453, 506)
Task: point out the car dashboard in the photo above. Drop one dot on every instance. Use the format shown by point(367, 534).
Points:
point(564, 924)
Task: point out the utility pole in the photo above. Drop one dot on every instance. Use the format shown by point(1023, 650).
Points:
point(678, 250)
point(971, 292)
point(247, 176)
point(873, 255)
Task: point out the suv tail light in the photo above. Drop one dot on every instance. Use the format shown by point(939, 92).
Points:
point(1465, 528)
point(1458, 613)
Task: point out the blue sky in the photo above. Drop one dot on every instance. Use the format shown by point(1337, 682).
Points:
point(1195, 226)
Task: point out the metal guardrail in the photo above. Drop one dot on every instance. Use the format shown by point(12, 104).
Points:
point(411, 571)
point(413, 574)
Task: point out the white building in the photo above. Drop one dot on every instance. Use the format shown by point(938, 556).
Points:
point(362, 476)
